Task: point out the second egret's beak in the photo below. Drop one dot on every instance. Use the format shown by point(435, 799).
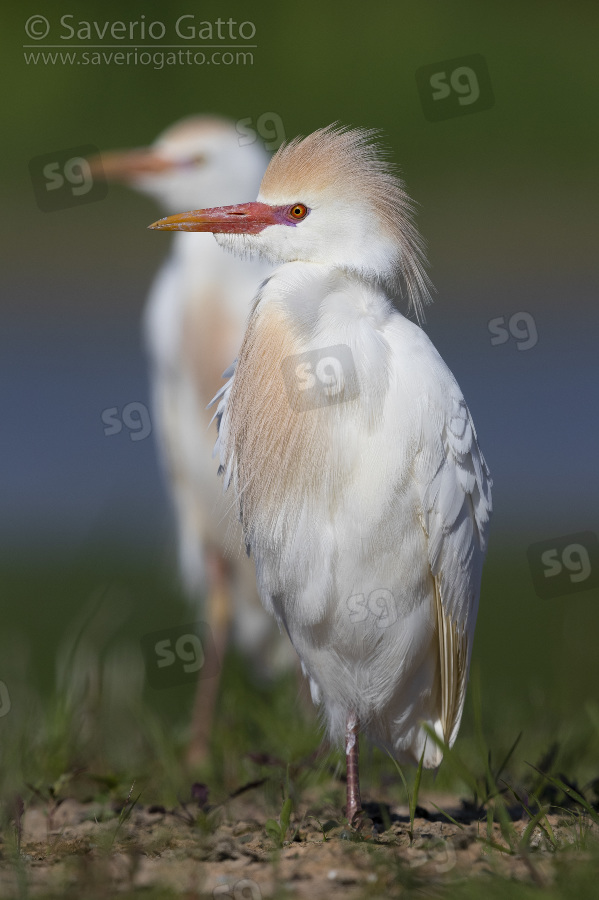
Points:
point(127, 165)
point(243, 218)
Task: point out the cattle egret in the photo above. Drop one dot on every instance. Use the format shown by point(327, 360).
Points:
point(194, 324)
point(350, 450)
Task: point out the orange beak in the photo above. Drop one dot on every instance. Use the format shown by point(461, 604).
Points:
point(243, 218)
point(127, 165)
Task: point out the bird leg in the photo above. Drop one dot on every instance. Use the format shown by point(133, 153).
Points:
point(354, 803)
point(218, 615)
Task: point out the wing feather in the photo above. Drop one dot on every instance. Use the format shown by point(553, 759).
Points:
point(455, 490)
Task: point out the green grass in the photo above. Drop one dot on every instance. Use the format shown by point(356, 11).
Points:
point(84, 723)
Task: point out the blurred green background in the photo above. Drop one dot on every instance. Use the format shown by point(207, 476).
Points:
point(507, 202)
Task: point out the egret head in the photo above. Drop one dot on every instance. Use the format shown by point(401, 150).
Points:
point(199, 160)
point(331, 198)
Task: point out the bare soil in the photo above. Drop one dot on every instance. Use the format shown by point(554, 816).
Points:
point(87, 849)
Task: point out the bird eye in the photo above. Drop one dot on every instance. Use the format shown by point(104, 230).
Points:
point(199, 159)
point(298, 211)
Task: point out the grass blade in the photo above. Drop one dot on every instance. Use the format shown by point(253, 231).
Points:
point(528, 831)
point(414, 800)
point(509, 755)
point(446, 814)
point(405, 784)
point(569, 792)
point(454, 761)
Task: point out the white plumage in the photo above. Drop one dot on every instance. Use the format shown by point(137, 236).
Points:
point(367, 514)
point(194, 323)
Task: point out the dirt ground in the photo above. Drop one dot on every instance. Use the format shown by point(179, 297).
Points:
point(85, 849)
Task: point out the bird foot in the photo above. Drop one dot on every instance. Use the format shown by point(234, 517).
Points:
point(355, 816)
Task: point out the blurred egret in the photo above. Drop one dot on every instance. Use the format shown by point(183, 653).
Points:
point(194, 323)
point(350, 450)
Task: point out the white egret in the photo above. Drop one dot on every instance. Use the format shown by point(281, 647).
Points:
point(350, 450)
point(194, 323)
